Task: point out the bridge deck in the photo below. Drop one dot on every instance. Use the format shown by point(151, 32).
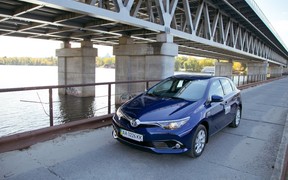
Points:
point(248, 152)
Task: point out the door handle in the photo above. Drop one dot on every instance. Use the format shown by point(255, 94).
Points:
point(224, 103)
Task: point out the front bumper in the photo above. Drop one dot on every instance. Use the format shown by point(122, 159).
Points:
point(154, 139)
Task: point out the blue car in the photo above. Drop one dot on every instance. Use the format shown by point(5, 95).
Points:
point(179, 114)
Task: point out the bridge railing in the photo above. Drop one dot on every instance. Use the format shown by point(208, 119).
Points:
point(238, 80)
point(246, 79)
point(50, 91)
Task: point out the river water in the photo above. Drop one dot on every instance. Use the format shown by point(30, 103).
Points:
point(28, 110)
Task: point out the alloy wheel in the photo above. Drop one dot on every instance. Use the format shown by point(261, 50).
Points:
point(200, 141)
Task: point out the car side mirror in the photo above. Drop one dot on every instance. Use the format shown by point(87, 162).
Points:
point(216, 98)
point(213, 98)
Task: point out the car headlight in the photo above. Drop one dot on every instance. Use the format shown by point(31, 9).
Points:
point(119, 113)
point(173, 124)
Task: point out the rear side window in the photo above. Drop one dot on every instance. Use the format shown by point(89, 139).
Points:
point(226, 86)
point(216, 89)
point(233, 85)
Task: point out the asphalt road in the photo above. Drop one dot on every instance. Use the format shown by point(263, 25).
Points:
point(247, 152)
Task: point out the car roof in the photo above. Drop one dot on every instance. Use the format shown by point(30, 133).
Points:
point(195, 77)
point(192, 77)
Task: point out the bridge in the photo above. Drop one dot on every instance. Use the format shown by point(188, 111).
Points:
point(147, 35)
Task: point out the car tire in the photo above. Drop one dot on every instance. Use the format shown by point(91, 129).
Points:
point(198, 142)
point(236, 121)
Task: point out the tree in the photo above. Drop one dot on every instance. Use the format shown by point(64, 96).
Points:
point(100, 61)
point(177, 65)
point(109, 60)
point(239, 67)
point(50, 61)
point(192, 64)
point(206, 62)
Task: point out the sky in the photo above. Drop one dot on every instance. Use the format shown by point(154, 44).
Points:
point(28, 47)
point(276, 12)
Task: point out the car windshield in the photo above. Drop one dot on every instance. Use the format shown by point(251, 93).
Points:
point(187, 89)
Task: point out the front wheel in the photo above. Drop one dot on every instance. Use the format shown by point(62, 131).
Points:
point(198, 142)
point(235, 123)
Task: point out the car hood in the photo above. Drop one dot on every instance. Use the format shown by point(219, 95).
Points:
point(149, 108)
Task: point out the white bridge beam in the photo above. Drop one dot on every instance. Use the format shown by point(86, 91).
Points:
point(201, 24)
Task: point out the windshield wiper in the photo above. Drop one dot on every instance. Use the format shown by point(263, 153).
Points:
point(175, 97)
point(151, 94)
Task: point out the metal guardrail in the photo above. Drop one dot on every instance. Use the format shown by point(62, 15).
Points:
point(239, 80)
point(246, 79)
point(50, 89)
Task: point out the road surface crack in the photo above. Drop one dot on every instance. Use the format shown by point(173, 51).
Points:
point(44, 166)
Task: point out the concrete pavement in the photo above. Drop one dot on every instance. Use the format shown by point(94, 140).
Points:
point(250, 151)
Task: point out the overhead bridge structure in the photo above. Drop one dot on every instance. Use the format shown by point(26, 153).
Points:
point(147, 35)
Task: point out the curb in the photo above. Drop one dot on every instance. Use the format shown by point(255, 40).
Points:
point(281, 163)
point(26, 139)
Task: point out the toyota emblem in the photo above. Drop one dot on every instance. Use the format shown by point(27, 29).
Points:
point(135, 123)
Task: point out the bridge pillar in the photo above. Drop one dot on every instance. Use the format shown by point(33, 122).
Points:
point(142, 62)
point(276, 71)
point(223, 69)
point(285, 71)
point(257, 71)
point(77, 66)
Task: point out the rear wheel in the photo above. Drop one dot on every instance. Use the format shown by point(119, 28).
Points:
point(198, 142)
point(235, 123)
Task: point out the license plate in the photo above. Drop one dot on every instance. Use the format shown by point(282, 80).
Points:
point(131, 135)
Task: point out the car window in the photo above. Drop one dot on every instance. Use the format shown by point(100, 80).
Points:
point(163, 87)
point(233, 85)
point(193, 90)
point(226, 86)
point(167, 88)
point(180, 88)
point(216, 89)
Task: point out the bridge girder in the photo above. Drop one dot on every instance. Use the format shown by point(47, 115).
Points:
point(207, 28)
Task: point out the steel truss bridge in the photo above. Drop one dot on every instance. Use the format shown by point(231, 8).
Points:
point(221, 29)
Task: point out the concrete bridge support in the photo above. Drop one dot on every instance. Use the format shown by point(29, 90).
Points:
point(257, 71)
point(276, 71)
point(142, 62)
point(223, 69)
point(285, 70)
point(77, 66)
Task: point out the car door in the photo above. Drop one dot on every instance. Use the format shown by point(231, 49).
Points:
point(215, 111)
point(229, 100)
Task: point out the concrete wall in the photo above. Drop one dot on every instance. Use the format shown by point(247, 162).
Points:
point(77, 66)
point(223, 69)
point(142, 62)
point(276, 71)
point(285, 70)
point(257, 71)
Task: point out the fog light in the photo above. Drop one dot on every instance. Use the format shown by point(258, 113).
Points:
point(177, 146)
point(159, 144)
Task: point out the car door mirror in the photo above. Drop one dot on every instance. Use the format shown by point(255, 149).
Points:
point(216, 98)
